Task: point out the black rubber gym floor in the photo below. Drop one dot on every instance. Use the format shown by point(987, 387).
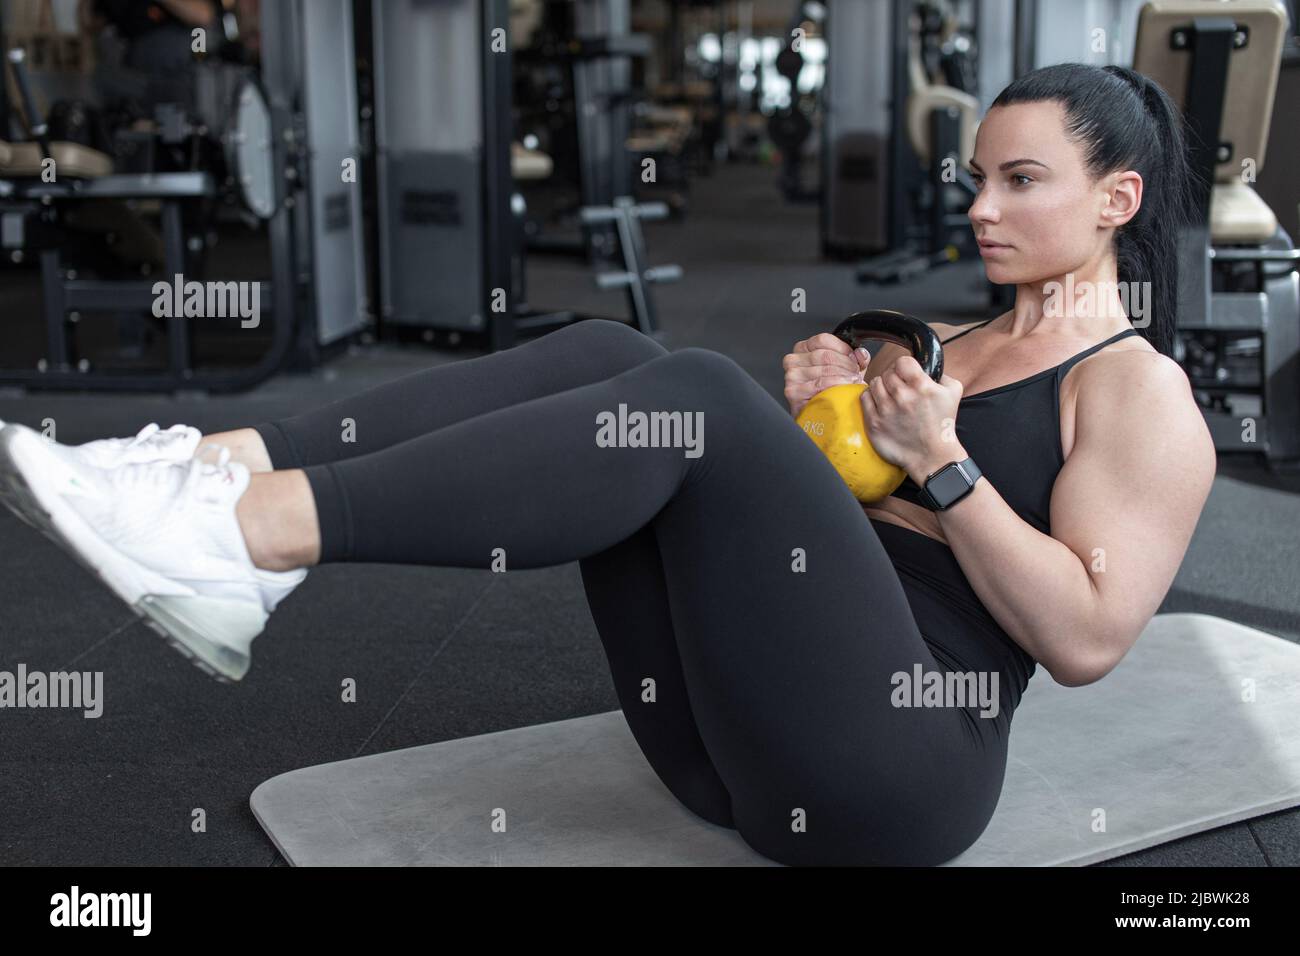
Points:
point(437, 653)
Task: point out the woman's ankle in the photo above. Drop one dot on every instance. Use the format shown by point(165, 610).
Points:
point(246, 447)
point(277, 515)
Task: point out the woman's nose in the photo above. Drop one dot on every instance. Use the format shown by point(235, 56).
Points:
point(984, 208)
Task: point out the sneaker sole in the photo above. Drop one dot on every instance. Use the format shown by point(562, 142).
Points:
point(166, 614)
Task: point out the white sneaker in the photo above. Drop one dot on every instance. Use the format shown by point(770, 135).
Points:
point(276, 585)
point(151, 443)
point(177, 443)
point(163, 536)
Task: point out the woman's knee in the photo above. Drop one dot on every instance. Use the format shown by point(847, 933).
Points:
point(618, 342)
point(707, 361)
point(712, 371)
point(715, 382)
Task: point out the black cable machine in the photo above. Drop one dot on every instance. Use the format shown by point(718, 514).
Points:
point(276, 152)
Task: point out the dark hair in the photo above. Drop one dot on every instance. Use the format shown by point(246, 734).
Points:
point(1126, 121)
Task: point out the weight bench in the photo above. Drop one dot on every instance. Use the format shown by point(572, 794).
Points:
point(1195, 729)
point(46, 220)
point(50, 218)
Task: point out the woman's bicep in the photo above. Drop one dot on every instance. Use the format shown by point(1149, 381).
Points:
point(1128, 498)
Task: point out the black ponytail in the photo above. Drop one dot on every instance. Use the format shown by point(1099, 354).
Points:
point(1126, 121)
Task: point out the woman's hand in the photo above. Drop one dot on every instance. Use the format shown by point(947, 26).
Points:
point(912, 419)
point(817, 364)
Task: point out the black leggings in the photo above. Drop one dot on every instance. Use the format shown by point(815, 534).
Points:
point(750, 615)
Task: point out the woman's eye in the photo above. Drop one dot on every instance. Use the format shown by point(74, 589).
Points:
point(1016, 177)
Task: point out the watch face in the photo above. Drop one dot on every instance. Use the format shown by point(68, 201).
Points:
point(947, 486)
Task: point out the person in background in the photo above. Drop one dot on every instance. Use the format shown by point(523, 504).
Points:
point(157, 61)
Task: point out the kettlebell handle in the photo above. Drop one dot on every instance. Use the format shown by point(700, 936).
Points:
point(901, 329)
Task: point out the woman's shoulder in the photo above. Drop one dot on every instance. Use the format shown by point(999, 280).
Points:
point(1130, 358)
point(1134, 374)
point(1119, 361)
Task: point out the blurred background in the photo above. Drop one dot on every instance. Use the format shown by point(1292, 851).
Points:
point(416, 181)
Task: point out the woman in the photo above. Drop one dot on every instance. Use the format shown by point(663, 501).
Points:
point(758, 625)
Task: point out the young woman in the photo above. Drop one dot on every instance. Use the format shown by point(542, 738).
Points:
point(760, 626)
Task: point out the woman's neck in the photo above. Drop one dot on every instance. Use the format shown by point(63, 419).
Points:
point(1085, 304)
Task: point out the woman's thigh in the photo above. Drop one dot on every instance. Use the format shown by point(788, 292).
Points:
point(432, 398)
point(794, 633)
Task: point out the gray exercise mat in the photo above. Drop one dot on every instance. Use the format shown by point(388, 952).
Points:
point(1167, 745)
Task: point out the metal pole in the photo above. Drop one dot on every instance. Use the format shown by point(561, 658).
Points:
point(1026, 28)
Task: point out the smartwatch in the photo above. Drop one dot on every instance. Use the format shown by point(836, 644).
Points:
point(950, 484)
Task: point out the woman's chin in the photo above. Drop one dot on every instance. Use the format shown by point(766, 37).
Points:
point(1000, 273)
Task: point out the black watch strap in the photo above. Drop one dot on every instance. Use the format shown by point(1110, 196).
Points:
point(950, 484)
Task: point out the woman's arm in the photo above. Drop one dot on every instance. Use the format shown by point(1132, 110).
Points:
point(1123, 510)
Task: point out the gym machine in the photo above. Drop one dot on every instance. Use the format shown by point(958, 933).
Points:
point(579, 69)
point(447, 216)
point(791, 127)
point(626, 215)
point(698, 89)
point(451, 259)
point(443, 168)
point(931, 135)
point(681, 122)
point(855, 173)
point(1239, 293)
point(283, 145)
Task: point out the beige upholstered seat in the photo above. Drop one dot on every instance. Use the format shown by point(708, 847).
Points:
point(1237, 214)
point(71, 160)
point(529, 163)
point(924, 101)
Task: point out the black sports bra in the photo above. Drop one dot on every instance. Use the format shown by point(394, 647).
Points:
point(1013, 432)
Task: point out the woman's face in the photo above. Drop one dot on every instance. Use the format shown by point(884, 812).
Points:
point(1036, 199)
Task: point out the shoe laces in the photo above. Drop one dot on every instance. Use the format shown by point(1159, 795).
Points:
point(211, 462)
point(152, 436)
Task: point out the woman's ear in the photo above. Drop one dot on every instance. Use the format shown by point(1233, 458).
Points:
point(1124, 198)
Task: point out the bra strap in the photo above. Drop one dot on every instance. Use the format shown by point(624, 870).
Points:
point(966, 331)
point(1070, 362)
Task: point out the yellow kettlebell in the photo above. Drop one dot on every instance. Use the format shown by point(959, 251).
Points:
point(833, 417)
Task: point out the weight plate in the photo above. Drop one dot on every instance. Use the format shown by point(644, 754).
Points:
point(249, 148)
